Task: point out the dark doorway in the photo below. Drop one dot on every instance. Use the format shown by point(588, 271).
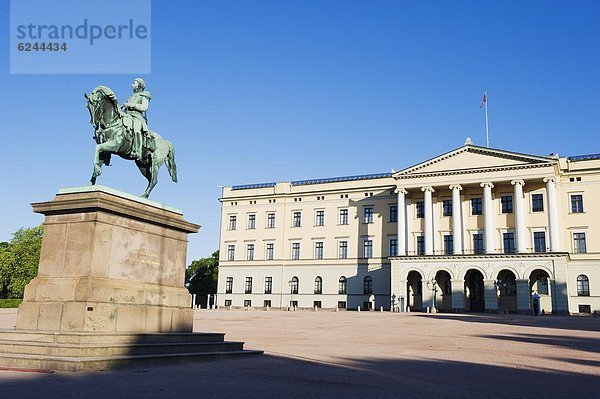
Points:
point(414, 291)
point(474, 286)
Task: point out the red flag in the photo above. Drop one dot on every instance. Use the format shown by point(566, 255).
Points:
point(483, 100)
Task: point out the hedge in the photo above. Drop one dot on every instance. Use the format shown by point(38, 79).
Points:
point(10, 303)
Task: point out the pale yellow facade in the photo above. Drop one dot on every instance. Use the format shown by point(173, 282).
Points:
point(475, 229)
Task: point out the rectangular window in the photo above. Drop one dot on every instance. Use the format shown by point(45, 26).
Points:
point(577, 203)
point(268, 285)
point(537, 202)
point(319, 250)
point(447, 207)
point(297, 219)
point(267, 303)
point(296, 251)
point(393, 247)
point(478, 243)
point(251, 222)
point(448, 244)
point(508, 240)
point(579, 246)
point(343, 252)
point(393, 213)
point(343, 216)
point(476, 207)
point(247, 303)
point(229, 285)
point(368, 214)
point(507, 203)
point(248, 286)
point(367, 248)
point(341, 304)
point(227, 302)
point(250, 252)
point(317, 304)
point(420, 245)
point(539, 241)
point(270, 220)
point(420, 209)
point(585, 309)
point(320, 219)
point(232, 222)
point(231, 252)
point(270, 251)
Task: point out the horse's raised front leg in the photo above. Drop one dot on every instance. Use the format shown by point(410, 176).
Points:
point(109, 146)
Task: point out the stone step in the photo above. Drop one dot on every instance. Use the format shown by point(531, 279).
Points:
point(95, 350)
point(42, 362)
point(107, 338)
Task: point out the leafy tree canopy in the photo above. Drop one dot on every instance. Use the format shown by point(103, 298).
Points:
point(201, 275)
point(19, 260)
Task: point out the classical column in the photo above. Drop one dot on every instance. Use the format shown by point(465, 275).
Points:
point(489, 216)
point(401, 218)
point(456, 219)
point(428, 233)
point(519, 208)
point(552, 214)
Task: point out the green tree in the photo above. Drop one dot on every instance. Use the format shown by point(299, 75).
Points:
point(201, 275)
point(19, 260)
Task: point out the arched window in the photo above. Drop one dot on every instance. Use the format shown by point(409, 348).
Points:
point(318, 285)
point(342, 287)
point(583, 285)
point(368, 285)
point(294, 285)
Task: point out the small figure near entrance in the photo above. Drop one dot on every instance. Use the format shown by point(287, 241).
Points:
point(372, 302)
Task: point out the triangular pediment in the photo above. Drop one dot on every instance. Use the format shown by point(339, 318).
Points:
point(470, 157)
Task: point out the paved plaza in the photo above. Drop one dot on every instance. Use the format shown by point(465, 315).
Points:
point(356, 355)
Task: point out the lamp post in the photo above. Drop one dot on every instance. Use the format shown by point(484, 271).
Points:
point(432, 284)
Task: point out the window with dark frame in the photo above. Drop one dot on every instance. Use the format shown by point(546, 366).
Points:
point(342, 285)
point(537, 202)
point(268, 285)
point(576, 203)
point(247, 303)
point(229, 285)
point(251, 222)
point(320, 219)
point(319, 250)
point(539, 241)
point(506, 202)
point(250, 252)
point(267, 303)
point(579, 245)
point(295, 250)
point(297, 219)
point(393, 213)
point(248, 286)
point(420, 245)
point(583, 285)
point(448, 244)
point(231, 252)
point(270, 220)
point(343, 216)
point(476, 206)
point(270, 252)
point(318, 285)
point(227, 302)
point(367, 248)
point(317, 304)
point(447, 207)
point(508, 240)
point(232, 222)
point(368, 214)
point(393, 247)
point(343, 250)
point(478, 243)
point(420, 209)
point(294, 285)
point(368, 285)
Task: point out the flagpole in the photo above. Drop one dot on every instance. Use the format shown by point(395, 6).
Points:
point(487, 127)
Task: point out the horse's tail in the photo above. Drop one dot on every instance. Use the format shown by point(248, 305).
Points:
point(170, 161)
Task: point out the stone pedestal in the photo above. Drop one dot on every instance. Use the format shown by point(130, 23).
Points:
point(110, 262)
point(111, 275)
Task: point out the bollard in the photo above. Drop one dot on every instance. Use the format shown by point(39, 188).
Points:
point(358, 309)
point(315, 308)
point(428, 309)
point(381, 308)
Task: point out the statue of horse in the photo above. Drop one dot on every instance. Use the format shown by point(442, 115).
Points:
point(113, 137)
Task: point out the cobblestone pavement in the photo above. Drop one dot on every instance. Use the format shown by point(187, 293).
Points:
point(356, 355)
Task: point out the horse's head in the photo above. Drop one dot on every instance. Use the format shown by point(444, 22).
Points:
point(103, 106)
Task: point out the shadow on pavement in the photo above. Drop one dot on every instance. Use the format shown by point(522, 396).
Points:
point(559, 322)
point(280, 377)
point(563, 341)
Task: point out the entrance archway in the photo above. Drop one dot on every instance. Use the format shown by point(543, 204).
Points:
point(444, 291)
point(539, 283)
point(414, 289)
point(507, 290)
point(474, 291)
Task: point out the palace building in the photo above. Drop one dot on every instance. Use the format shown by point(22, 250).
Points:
point(472, 230)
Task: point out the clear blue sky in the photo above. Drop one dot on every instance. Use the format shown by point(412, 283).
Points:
point(253, 91)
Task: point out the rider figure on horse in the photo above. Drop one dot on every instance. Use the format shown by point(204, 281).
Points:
point(136, 106)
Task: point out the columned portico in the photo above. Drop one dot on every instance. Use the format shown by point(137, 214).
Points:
point(456, 219)
point(489, 215)
point(428, 218)
point(519, 208)
point(552, 214)
point(401, 221)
